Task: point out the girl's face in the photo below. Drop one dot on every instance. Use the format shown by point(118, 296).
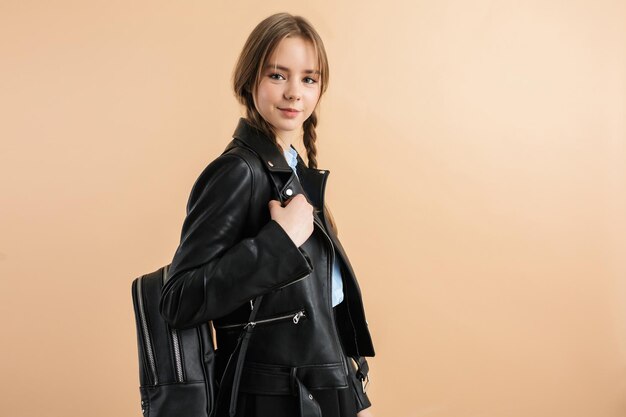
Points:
point(289, 81)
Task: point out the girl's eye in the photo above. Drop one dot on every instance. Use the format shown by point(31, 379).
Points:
point(272, 75)
point(311, 80)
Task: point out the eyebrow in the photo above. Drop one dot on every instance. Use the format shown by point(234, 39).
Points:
point(280, 67)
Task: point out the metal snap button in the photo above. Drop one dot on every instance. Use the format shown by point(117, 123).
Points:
point(310, 397)
point(289, 191)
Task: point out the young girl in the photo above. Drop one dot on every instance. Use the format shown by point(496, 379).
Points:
point(305, 355)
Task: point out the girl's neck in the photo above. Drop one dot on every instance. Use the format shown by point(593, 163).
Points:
point(285, 142)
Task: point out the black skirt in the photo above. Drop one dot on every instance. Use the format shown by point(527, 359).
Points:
point(333, 402)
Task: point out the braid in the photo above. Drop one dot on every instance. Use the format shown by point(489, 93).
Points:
point(309, 138)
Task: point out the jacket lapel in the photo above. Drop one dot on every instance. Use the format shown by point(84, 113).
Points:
point(311, 182)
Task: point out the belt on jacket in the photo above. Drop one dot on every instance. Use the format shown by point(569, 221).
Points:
point(295, 380)
point(268, 379)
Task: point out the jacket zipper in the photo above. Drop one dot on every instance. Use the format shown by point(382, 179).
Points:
point(330, 294)
point(293, 282)
point(345, 273)
point(294, 316)
point(146, 333)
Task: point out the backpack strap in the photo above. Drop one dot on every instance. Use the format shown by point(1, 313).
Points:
point(239, 354)
point(243, 341)
point(276, 182)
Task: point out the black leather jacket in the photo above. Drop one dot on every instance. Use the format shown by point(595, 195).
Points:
point(231, 251)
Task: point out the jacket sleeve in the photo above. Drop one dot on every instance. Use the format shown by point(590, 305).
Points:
point(215, 268)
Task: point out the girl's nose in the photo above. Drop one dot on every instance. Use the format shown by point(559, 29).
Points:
point(292, 92)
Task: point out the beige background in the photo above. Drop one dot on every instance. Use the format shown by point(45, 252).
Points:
point(477, 156)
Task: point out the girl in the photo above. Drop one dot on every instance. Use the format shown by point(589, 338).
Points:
point(238, 242)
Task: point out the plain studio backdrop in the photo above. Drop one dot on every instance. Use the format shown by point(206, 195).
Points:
point(477, 152)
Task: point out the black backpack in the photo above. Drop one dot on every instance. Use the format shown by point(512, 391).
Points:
point(177, 366)
point(174, 364)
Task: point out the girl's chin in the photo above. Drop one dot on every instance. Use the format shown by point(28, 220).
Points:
point(289, 124)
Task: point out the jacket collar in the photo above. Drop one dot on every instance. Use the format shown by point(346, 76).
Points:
point(312, 181)
point(258, 141)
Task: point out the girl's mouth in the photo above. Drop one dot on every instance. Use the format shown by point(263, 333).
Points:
point(289, 113)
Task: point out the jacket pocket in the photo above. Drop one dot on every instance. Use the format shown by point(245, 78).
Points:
point(295, 316)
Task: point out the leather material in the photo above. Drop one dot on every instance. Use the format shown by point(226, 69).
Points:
point(267, 379)
point(176, 367)
point(308, 406)
point(231, 252)
point(177, 400)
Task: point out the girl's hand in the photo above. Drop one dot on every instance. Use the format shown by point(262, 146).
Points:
point(365, 413)
point(296, 218)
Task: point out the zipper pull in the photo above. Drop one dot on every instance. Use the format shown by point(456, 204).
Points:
point(250, 324)
point(296, 317)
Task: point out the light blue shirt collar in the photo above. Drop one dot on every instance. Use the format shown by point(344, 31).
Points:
point(291, 155)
